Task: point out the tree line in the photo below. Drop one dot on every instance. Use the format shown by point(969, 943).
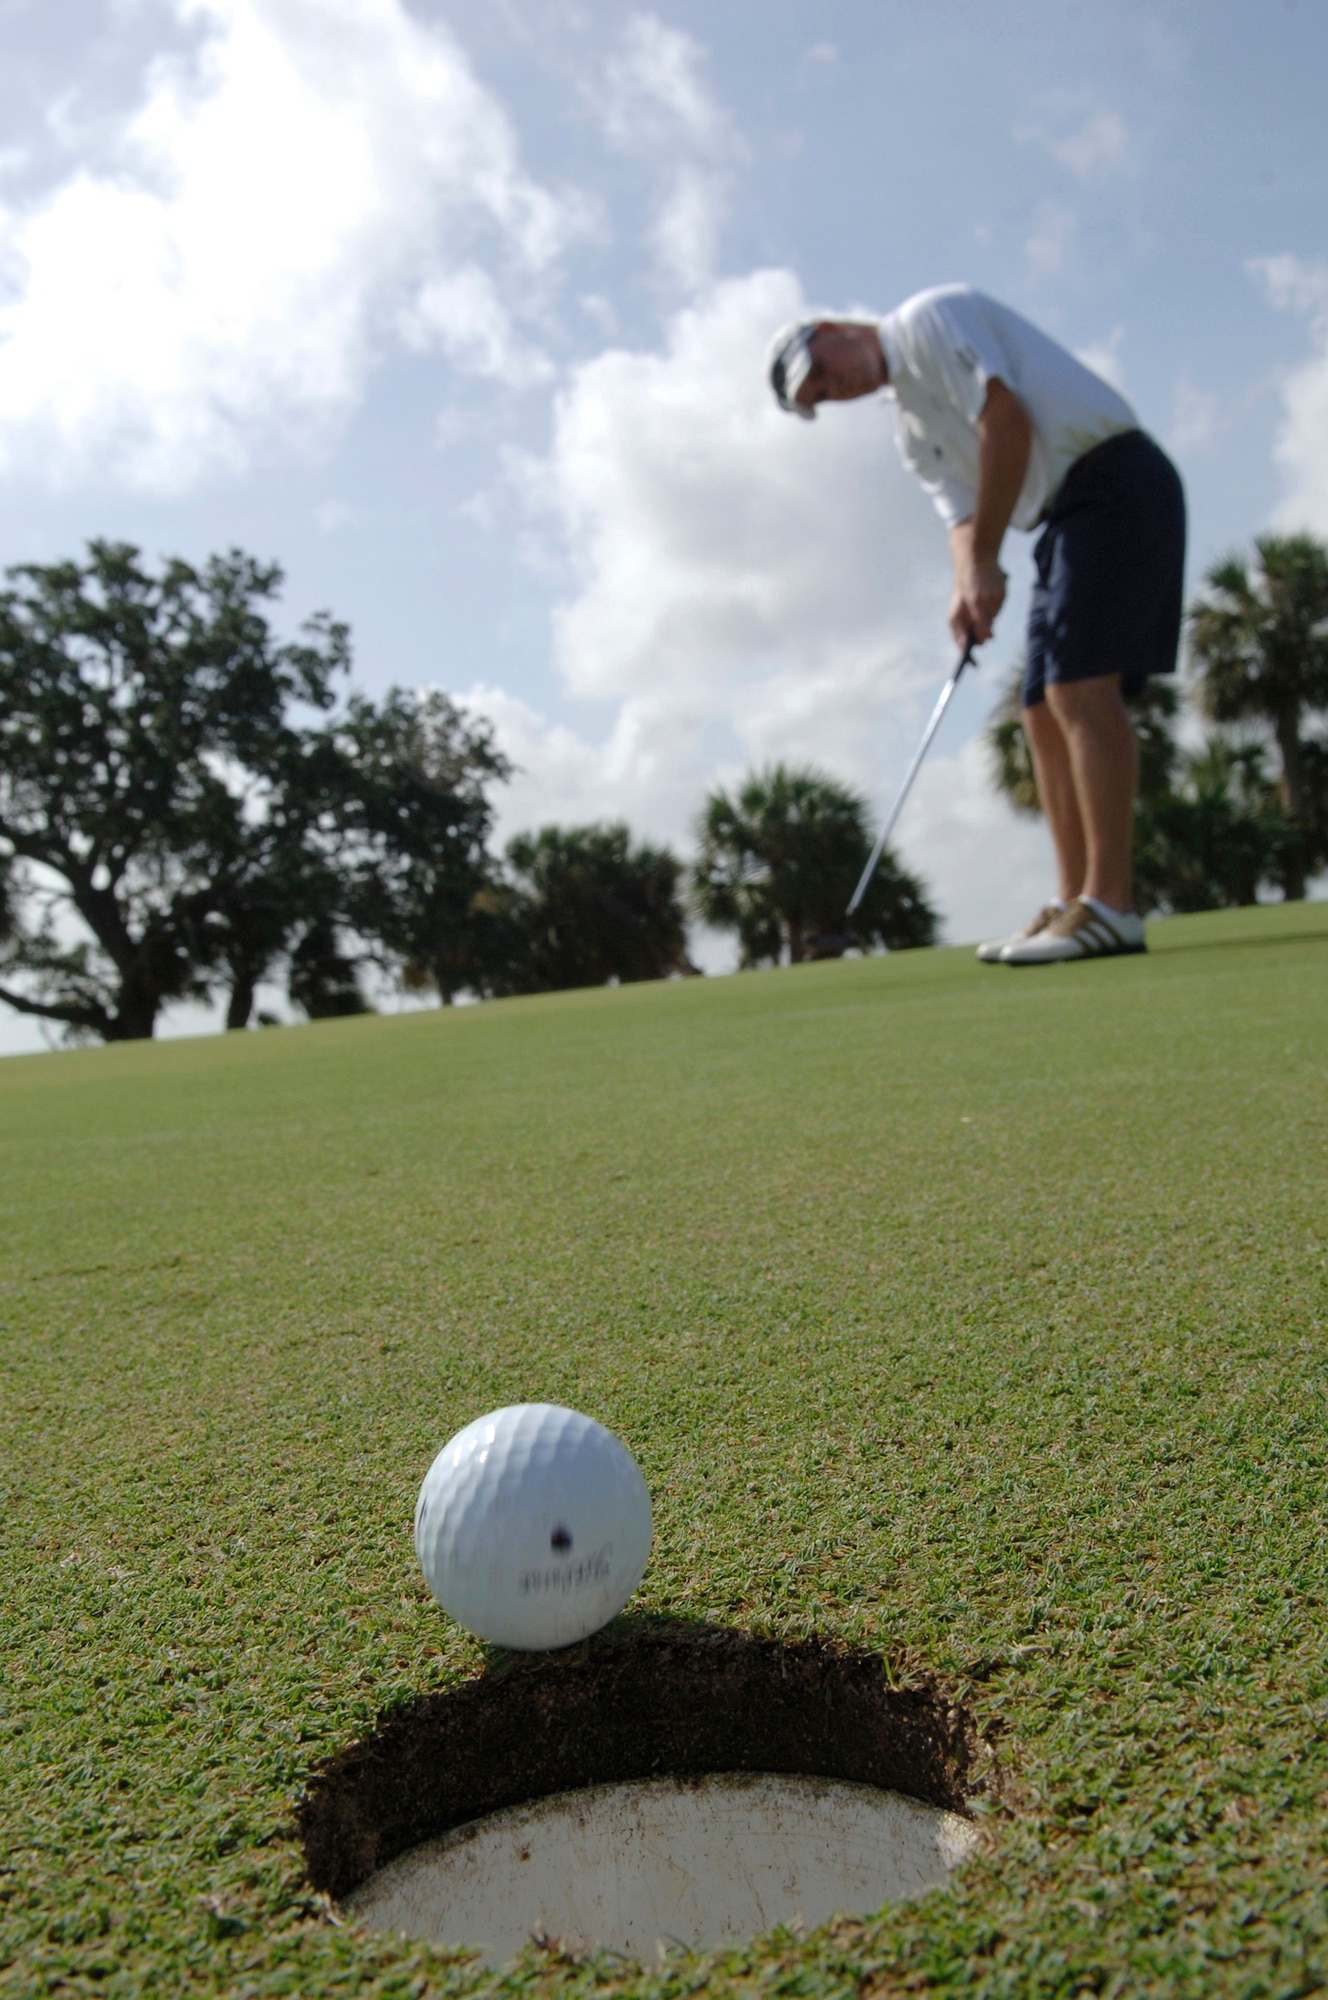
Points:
point(1242, 812)
point(190, 808)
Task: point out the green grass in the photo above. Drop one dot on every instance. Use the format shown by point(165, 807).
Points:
point(971, 1315)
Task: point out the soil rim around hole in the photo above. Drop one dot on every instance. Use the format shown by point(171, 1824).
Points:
point(640, 1703)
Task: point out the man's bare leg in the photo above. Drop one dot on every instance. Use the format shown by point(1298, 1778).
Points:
point(1103, 757)
point(1056, 791)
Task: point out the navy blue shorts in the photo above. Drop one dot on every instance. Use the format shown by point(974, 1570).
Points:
point(1110, 564)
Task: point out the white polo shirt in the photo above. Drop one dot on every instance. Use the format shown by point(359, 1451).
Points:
point(941, 348)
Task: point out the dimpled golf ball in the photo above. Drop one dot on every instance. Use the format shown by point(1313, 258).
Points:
point(533, 1526)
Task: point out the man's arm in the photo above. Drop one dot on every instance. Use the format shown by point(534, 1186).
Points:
point(1005, 436)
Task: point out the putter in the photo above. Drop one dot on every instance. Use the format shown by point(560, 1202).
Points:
point(841, 942)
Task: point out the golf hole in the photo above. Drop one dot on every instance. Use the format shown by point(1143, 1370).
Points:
point(664, 1786)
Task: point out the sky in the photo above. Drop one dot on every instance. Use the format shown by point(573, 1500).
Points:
point(458, 309)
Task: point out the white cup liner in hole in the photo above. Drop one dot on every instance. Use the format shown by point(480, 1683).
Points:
point(690, 1861)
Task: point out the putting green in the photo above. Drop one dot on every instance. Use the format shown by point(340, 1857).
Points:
point(974, 1316)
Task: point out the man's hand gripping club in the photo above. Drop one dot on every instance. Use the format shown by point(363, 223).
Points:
point(1005, 435)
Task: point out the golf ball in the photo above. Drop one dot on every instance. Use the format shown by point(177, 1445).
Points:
point(533, 1526)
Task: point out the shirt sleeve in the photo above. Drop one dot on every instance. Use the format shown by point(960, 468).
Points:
point(961, 351)
point(954, 499)
point(953, 502)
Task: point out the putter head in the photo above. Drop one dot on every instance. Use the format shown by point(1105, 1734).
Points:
point(829, 944)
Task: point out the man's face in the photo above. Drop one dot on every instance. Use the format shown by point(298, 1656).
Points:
point(847, 362)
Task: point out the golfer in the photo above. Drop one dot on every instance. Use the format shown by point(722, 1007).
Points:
point(1006, 429)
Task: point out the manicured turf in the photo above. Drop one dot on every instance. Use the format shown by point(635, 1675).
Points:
point(964, 1313)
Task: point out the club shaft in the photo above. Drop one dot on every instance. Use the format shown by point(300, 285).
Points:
point(942, 703)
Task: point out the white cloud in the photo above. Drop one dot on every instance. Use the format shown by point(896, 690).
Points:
point(313, 169)
point(479, 509)
point(656, 97)
point(1291, 282)
point(1093, 141)
point(559, 776)
point(1301, 447)
point(653, 103)
point(462, 314)
point(1196, 417)
point(1100, 145)
point(601, 313)
point(687, 228)
point(709, 533)
point(1104, 358)
point(743, 588)
point(330, 515)
point(1053, 232)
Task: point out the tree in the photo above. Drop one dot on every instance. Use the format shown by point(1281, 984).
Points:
point(140, 718)
point(1314, 771)
point(407, 781)
point(781, 858)
point(1209, 832)
point(586, 905)
point(1259, 641)
point(167, 829)
point(276, 876)
point(1214, 837)
point(322, 979)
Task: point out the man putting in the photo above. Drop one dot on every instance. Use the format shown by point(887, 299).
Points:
point(1005, 428)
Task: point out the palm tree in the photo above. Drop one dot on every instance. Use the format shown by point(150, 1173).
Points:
point(1259, 641)
point(591, 905)
point(779, 861)
point(1213, 839)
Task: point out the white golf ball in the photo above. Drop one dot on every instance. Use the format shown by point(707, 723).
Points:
point(533, 1526)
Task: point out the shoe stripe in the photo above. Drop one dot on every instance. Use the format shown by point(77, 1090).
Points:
point(1101, 939)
